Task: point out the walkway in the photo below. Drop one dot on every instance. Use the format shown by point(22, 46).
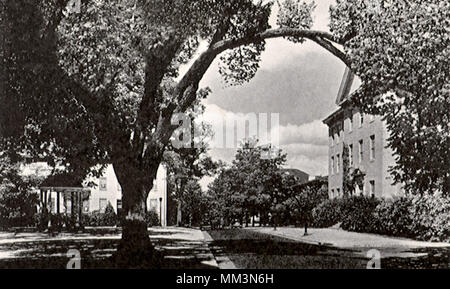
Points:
point(362, 242)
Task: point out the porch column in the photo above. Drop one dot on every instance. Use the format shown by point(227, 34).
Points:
point(57, 203)
point(72, 205)
point(80, 207)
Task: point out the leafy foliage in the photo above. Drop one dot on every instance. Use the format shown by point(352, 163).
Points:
point(295, 14)
point(152, 219)
point(400, 50)
point(18, 202)
point(252, 185)
point(422, 217)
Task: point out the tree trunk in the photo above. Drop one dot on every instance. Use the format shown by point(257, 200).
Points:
point(135, 249)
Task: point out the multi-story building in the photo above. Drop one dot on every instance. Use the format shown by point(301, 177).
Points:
point(107, 191)
point(365, 137)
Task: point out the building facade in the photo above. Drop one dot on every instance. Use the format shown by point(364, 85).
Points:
point(107, 191)
point(365, 138)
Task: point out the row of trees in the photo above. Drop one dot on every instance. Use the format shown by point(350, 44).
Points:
point(258, 186)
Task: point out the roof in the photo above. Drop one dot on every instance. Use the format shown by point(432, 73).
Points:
point(346, 85)
point(62, 180)
point(343, 94)
point(296, 173)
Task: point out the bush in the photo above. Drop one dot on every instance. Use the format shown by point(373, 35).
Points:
point(152, 219)
point(357, 214)
point(97, 219)
point(393, 218)
point(17, 207)
point(326, 214)
point(424, 217)
point(430, 216)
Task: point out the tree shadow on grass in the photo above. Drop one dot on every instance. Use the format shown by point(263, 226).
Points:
point(97, 254)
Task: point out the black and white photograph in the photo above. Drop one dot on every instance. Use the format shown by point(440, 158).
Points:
point(203, 135)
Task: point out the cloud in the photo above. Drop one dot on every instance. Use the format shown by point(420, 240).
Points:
point(314, 132)
point(306, 145)
point(313, 166)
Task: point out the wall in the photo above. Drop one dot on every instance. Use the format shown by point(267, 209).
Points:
point(376, 169)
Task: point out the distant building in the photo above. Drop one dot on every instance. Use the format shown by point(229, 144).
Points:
point(107, 190)
point(365, 137)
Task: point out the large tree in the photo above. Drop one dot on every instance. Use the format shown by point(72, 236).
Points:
point(401, 51)
point(102, 84)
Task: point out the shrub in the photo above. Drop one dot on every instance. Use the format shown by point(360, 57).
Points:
point(152, 218)
point(393, 217)
point(424, 217)
point(97, 219)
point(17, 207)
point(327, 213)
point(109, 217)
point(430, 216)
point(357, 213)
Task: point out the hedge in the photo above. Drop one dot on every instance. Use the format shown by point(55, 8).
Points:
point(424, 217)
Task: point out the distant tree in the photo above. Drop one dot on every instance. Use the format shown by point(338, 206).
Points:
point(18, 202)
point(189, 163)
point(303, 198)
point(251, 185)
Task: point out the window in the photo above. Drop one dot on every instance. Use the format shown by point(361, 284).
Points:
point(338, 192)
point(102, 184)
point(102, 205)
point(372, 147)
point(361, 119)
point(350, 123)
point(372, 188)
point(332, 136)
point(85, 206)
point(332, 193)
point(153, 205)
point(361, 153)
point(338, 163)
point(332, 165)
point(350, 155)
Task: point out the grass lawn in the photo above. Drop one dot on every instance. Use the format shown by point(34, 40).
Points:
point(96, 249)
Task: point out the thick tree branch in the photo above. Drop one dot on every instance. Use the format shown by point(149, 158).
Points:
point(185, 91)
point(199, 67)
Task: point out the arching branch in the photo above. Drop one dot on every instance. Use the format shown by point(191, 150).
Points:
point(201, 65)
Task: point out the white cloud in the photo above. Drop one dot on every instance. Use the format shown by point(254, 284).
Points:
point(312, 166)
point(314, 132)
point(306, 145)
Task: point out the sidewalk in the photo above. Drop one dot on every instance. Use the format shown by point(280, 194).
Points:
point(362, 242)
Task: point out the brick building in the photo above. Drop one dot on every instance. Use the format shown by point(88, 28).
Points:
point(365, 137)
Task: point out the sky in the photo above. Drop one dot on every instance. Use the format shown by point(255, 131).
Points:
point(299, 82)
